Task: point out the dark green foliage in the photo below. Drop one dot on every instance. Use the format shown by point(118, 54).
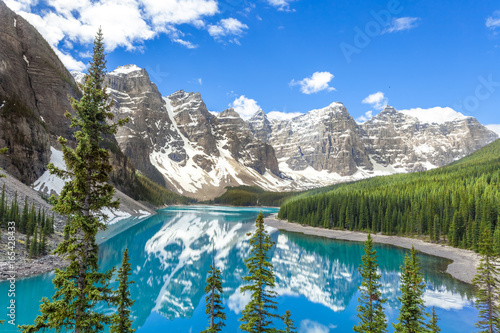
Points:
point(287, 320)
point(252, 196)
point(411, 313)
point(370, 309)
point(258, 313)
point(488, 287)
point(80, 287)
point(214, 309)
point(3, 151)
point(433, 324)
point(120, 322)
point(34, 244)
point(149, 191)
point(451, 204)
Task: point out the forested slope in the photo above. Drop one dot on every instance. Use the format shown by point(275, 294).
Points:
point(452, 204)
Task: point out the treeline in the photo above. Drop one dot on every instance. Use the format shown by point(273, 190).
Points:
point(454, 204)
point(35, 224)
point(149, 191)
point(251, 196)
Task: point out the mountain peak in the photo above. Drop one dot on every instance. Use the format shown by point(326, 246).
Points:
point(126, 69)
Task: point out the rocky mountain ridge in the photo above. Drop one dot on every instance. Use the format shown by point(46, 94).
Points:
point(178, 142)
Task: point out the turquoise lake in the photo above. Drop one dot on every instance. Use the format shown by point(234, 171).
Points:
point(317, 278)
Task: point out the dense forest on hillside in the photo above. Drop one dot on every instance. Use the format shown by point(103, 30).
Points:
point(452, 204)
point(252, 196)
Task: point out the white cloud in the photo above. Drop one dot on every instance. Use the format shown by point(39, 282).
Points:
point(367, 116)
point(246, 107)
point(493, 21)
point(495, 128)
point(309, 326)
point(278, 115)
point(280, 4)
point(227, 27)
point(319, 81)
point(185, 43)
point(377, 100)
point(438, 115)
point(401, 24)
point(125, 23)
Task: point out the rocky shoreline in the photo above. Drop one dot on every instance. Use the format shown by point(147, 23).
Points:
point(462, 268)
point(31, 267)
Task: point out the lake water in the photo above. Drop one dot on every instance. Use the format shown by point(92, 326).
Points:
point(317, 278)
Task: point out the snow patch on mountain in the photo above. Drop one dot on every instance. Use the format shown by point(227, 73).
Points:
point(48, 183)
point(124, 70)
point(437, 115)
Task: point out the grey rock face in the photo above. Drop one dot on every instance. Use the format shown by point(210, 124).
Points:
point(149, 126)
point(177, 140)
point(324, 139)
point(406, 143)
point(34, 86)
point(260, 126)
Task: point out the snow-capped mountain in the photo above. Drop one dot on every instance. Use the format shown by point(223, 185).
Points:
point(177, 142)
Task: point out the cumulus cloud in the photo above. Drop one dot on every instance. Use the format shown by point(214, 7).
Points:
point(246, 107)
point(493, 21)
point(401, 24)
point(377, 100)
point(227, 27)
point(495, 128)
point(125, 23)
point(280, 4)
point(278, 115)
point(319, 81)
point(367, 116)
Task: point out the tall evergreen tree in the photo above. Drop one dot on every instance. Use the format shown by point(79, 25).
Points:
point(488, 287)
point(34, 244)
point(80, 286)
point(258, 313)
point(287, 320)
point(24, 217)
point(370, 309)
point(3, 206)
point(411, 313)
point(433, 325)
point(214, 308)
point(121, 322)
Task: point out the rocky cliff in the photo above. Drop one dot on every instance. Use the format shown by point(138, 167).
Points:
point(176, 141)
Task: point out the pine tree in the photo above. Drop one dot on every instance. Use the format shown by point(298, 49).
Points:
point(257, 315)
point(34, 244)
point(3, 151)
point(3, 206)
point(496, 239)
point(80, 286)
point(411, 313)
point(370, 309)
point(433, 325)
point(121, 322)
point(488, 287)
point(24, 217)
point(287, 320)
point(214, 309)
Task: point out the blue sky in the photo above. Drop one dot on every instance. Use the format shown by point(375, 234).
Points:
point(294, 56)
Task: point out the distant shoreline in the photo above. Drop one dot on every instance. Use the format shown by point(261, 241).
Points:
point(462, 268)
